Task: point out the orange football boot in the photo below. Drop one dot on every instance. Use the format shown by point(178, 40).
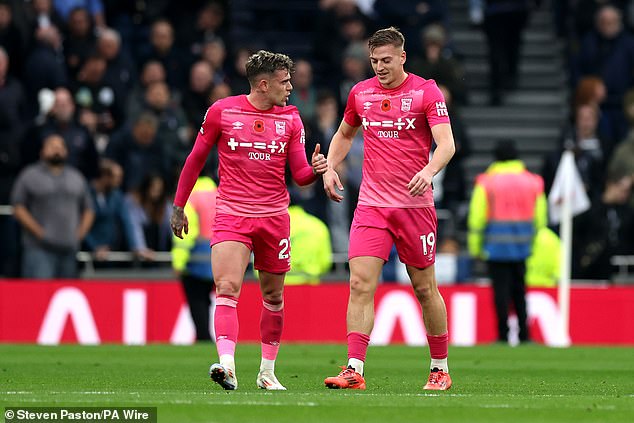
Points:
point(347, 379)
point(438, 381)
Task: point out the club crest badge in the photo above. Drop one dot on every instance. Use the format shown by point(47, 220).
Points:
point(280, 127)
point(406, 104)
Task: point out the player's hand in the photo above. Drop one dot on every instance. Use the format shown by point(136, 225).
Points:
point(320, 166)
point(178, 222)
point(420, 183)
point(331, 184)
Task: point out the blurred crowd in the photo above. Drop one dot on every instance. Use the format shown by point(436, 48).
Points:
point(126, 85)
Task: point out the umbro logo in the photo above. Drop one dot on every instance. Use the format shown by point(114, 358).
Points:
point(367, 105)
point(237, 125)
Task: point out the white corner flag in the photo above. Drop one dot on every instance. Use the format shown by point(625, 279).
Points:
point(567, 187)
point(567, 198)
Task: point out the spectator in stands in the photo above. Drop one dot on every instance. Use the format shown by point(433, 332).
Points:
point(584, 14)
point(120, 70)
point(44, 67)
point(11, 39)
point(324, 127)
point(304, 94)
point(197, 97)
point(507, 207)
point(150, 209)
point(220, 91)
point(12, 120)
point(622, 160)
point(588, 149)
point(137, 149)
point(101, 106)
point(61, 120)
point(132, 19)
point(215, 53)
point(312, 250)
point(152, 71)
point(210, 20)
point(411, 16)
point(341, 23)
point(51, 202)
point(237, 77)
point(608, 52)
point(42, 15)
point(592, 90)
point(94, 8)
point(195, 272)
point(437, 62)
point(112, 229)
point(354, 69)
point(162, 48)
point(504, 23)
point(604, 230)
point(173, 130)
point(79, 40)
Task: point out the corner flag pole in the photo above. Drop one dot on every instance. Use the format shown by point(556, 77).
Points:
point(567, 198)
point(563, 289)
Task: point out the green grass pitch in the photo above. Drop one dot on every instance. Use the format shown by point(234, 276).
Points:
point(492, 383)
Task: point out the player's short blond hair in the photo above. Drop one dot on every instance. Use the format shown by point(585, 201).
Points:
point(265, 62)
point(385, 37)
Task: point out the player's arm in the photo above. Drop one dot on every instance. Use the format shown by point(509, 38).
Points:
point(207, 137)
point(303, 173)
point(445, 149)
point(339, 148)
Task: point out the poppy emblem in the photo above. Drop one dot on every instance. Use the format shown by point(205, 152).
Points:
point(258, 125)
point(386, 105)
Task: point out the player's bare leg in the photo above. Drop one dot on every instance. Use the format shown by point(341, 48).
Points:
point(229, 260)
point(435, 318)
point(364, 279)
point(271, 325)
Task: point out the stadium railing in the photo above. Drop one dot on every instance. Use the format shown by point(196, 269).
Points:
point(135, 267)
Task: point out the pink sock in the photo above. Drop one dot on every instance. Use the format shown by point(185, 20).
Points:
point(271, 324)
point(438, 345)
point(358, 345)
point(226, 324)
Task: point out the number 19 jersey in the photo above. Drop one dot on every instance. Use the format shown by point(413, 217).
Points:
point(396, 126)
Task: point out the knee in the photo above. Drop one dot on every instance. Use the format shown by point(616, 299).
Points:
point(424, 292)
point(273, 296)
point(360, 287)
point(227, 287)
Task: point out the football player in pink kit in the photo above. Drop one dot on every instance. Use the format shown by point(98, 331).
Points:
point(256, 135)
point(400, 114)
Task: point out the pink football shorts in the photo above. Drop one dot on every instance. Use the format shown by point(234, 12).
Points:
point(413, 230)
point(269, 238)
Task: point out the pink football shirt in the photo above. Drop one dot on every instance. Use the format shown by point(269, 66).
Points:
point(397, 136)
point(253, 146)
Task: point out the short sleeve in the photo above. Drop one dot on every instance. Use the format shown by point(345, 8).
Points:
point(19, 192)
point(435, 106)
point(350, 115)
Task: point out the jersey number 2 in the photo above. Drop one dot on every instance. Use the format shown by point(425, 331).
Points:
point(284, 243)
